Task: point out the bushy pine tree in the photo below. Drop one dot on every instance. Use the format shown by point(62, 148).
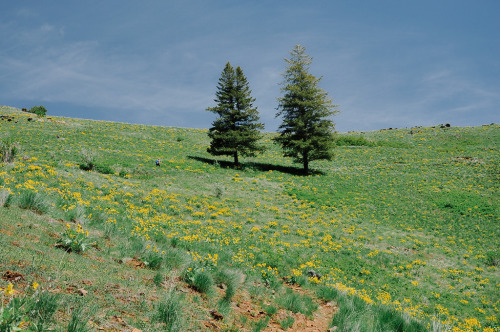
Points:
point(307, 132)
point(236, 130)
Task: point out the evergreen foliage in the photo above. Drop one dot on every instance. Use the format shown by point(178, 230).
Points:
point(236, 129)
point(306, 133)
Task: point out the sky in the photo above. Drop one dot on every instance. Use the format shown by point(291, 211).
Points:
point(386, 64)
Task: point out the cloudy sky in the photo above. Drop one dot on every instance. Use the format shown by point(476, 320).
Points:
point(385, 63)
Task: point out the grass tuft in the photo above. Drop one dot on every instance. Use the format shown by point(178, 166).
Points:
point(170, 313)
point(32, 200)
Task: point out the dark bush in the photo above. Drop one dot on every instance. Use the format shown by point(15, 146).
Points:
point(38, 110)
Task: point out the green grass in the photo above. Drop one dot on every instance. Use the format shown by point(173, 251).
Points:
point(405, 221)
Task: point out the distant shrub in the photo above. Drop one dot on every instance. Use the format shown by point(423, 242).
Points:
point(38, 110)
point(350, 140)
point(8, 150)
point(88, 160)
point(89, 163)
point(492, 258)
point(104, 169)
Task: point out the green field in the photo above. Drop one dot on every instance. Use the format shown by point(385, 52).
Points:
point(402, 223)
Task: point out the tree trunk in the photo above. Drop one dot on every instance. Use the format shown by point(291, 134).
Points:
point(236, 162)
point(306, 163)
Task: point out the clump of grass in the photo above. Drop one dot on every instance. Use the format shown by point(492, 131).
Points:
point(174, 258)
point(153, 260)
point(32, 200)
point(199, 279)
point(232, 279)
point(260, 324)
point(219, 191)
point(297, 303)
point(76, 214)
point(354, 314)
point(42, 310)
point(174, 242)
point(169, 312)
point(286, 322)
point(158, 279)
point(8, 150)
point(5, 198)
point(203, 282)
point(270, 310)
point(328, 293)
point(78, 321)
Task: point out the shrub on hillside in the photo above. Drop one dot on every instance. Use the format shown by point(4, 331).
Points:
point(343, 140)
point(89, 163)
point(88, 160)
point(38, 110)
point(104, 169)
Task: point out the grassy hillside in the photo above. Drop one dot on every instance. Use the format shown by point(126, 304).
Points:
point(399, 232)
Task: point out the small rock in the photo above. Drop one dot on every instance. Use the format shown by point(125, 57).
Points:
point(314, 274)
point(82, 292)
point(12, 276)
point(216, 315)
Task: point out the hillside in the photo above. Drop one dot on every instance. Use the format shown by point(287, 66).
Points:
point(399, 232)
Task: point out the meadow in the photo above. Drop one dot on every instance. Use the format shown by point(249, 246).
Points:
point(399, 232)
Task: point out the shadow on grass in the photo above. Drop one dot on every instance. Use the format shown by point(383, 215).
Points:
point(263, 167)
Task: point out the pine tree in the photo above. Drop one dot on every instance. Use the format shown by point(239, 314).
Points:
point(236, 129)
point(306, 133)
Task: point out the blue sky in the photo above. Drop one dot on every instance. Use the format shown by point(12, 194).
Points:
point(385, 63)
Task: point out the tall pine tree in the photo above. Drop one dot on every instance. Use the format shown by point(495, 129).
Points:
point(235, 131)
point(306, 133)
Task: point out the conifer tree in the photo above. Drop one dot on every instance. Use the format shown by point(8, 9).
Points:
point(307, 132)
point(235, 131)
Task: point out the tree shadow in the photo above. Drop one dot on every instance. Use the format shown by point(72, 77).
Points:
point(263, 167)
